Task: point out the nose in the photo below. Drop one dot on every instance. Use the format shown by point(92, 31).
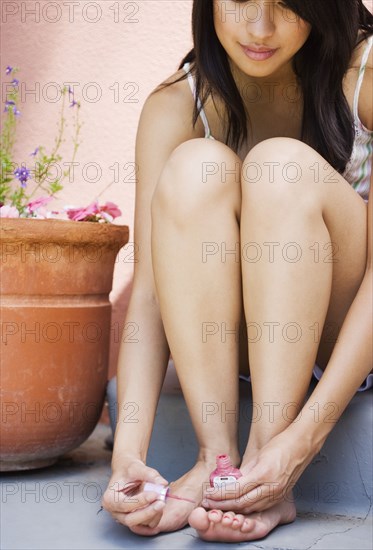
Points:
point(260, 22)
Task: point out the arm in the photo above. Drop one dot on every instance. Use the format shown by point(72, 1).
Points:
point(349, 364)
point(142, 365)
point(351, 360)
point(165, 123)
point(280, 463)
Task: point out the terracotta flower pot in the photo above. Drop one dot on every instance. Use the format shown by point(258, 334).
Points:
point(55, 331)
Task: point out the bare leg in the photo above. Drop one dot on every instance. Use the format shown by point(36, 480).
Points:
point(194, 210)
point(291, 293)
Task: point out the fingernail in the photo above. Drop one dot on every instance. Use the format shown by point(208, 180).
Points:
point(159, 505)
point(205, 503)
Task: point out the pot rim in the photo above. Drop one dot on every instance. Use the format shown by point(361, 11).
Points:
point(65, 231)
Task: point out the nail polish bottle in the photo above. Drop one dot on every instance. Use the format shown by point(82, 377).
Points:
point(225, 472)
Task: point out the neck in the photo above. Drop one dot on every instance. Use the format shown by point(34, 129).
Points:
point(265, 89)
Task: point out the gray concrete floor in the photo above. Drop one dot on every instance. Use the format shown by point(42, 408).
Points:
point(56, 507)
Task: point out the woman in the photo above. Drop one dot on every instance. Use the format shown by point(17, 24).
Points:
point(261, 226)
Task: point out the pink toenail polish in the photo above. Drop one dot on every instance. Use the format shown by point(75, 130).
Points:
point(225, 472)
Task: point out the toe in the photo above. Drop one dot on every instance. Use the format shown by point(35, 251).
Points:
point(215, 516)
point(228, 518)
point(238, 521)
point(247, 525)
point(199, 520)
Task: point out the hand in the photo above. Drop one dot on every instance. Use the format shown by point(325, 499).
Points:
point(124, 497)
point(268, 478)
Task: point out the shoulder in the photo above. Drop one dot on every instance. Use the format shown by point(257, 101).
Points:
point(366, 91)
point(165, 123)
point(169, 109)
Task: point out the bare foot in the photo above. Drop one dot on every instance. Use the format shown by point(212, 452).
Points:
point(176, 512)
point(215, 525)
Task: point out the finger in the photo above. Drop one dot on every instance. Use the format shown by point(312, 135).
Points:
point(226, 490)
point(144, 530)
point(146, 515)
point(157, 518)
point(138, 470)
point(224, 505)
point(264, 496)
point(155, 477)
point(238, 507)
point(124, 504)
point(232, 490)
point(120, 518)
point(256, 501)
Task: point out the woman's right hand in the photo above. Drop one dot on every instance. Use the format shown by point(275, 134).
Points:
point(125, 499)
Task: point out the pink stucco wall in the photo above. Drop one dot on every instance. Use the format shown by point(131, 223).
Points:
point(115, 52)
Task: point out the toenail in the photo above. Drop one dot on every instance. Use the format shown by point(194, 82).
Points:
point(213, 512)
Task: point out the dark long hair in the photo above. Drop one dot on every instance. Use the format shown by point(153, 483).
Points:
point(319, 65)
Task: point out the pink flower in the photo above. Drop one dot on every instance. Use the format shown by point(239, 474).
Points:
point(83, 214)
point(94, 213)
point(37, 203)
point(7, 211)
point(111, 209)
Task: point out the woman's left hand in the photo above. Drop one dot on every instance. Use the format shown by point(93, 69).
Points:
point(268, 478)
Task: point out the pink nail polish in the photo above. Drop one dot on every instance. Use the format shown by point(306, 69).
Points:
point(225, 472)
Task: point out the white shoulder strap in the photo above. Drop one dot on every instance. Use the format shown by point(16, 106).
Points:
point(192, 85)
point(363, 65)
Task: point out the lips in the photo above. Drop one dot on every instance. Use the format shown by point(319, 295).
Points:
point(259, 53)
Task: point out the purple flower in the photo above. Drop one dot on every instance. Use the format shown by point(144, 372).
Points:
point(70, 90)
point(73, 103)
point(22, 174)
point(15, 111)
point(34, 153)
point(8, 70)
point(15, 82)
point(12, 105)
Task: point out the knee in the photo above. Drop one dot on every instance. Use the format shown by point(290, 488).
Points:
point(198, 173)
point(280, 169)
